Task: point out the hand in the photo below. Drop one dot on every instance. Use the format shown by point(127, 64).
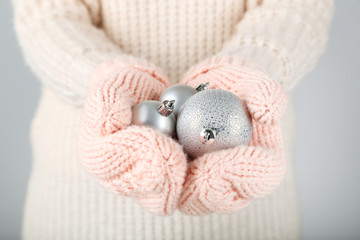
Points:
point(227, 180)
point(135, 161)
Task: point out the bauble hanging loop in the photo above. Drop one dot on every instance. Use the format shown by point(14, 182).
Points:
point(181, 93)
point(207, 136)
point(202, 86)
point(166, 108)
point(158, 115)
point(212, 120)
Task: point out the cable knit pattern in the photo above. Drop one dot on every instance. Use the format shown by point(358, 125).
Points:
point(225, 181)
point(64, 40)
point(265, 98)
point(134, 161)
point(280, 37)
point(118, 84)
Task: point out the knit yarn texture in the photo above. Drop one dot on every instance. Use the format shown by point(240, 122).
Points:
point(225, 181)
point(133, 161)
point(64, 41)
point(143, 163)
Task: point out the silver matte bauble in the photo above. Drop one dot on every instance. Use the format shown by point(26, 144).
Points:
point(180, 93)
point(157, 115)
point(212, 120)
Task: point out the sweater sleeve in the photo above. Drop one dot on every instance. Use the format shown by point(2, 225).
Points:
point(283, 38)
point(62, 43)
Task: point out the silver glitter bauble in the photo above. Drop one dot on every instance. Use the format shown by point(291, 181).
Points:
point(212, 120)
point(180, 93)
point(157, 115)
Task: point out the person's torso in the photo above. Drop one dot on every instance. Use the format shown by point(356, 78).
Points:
point(174, 34)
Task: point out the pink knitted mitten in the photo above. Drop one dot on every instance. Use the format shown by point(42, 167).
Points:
point(135, 161)
point(227, 180)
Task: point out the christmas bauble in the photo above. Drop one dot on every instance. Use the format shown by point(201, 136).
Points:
point(180, 93)
point(157, 115)
point(212, 120)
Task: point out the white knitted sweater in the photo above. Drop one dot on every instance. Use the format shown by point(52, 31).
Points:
point(63, 40)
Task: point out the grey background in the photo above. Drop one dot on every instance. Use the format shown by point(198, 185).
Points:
point(328, 146)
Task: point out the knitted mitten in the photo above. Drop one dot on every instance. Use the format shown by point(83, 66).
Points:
point(227, 180)
point(135, 161)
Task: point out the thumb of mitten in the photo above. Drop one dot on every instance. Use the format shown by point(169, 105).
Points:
point(114, 87)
